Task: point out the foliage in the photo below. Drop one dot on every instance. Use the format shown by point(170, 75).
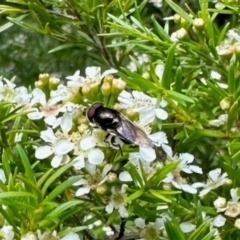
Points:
point(179, 82)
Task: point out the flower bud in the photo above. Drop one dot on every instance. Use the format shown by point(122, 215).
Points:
point(184, 23)
point(106, 89)
point(225, 104)
point(237, 223)
point(87, 91)
point(177, 18)
point(102, 189)
point(198, 23)
point(44, 78)
point(167, 186)
point(225, 51)
point(118, 86)
point(82, 128)
point(108, 79)
point(112, 177)
point(181, 34)
point(53, 83)
point(220, 202)
point(38, 84)
point(131, 114)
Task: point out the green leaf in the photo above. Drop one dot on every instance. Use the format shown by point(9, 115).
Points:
point(210, 133)
point(135, 195)
point(231, 76)
point(178, 96)
point(158, 194)
point(232, 116)
point(27, 166)
point(61, 187)
point(55, 176)
point(167, 74)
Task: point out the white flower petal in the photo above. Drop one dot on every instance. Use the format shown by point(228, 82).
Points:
point(214, 174)
point(147, 115)
point(50, 120)
point(109, 208)
point(187, 227)
point(219, 221)
point(140, 222)
point(159, 69)
point(167, 149)
point(188, 188)
point(71, 236)
point(106, 169)
point(96, 156)
point(108, 72)
point(2, 176)
point(43, 152)
point(80, 182)
point(56, 161)
point(161, 114)
point(38, 97)
point(35, 115)
point(63, 147)
point(195, 169)
point(204, 192)
point(147, 154)
point(66, 123)
point(123, 212)
point(87, 143)
point(48, 135)
point(186, 157)
point(79, 162)
point(83, 190)
point(125, 177)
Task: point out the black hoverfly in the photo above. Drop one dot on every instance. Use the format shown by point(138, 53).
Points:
point(116, 124)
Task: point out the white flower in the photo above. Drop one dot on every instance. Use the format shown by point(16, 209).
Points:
point(93, 76)
point(215, 180)
point(22, 95)
point(59, 147)
point(143, 58)
point(159, 139)
point(7, 232)
point(185, 159)
point(93, 180)
point(150, 230)
point(145, 105)
point(95, 155)
point(108, 231)
point(222, 119)
point(117, 201)
point(47, 235)
point(62, 93)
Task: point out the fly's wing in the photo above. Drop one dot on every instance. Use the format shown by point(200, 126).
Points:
point(130, 133)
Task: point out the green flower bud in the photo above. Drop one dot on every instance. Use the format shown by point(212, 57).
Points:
point(225, 51)
point(237, 223)
point(225, 104)
point(53, 83)
point(39, 84)
point(198, 23)
point(106, 89)
point(131, 114)
point(82, 128)
point(112, 177)
point(87, 91)
point(117, 86)
point(108, 79)
point(102, 189)
point(44, 78)
point(177, 18)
